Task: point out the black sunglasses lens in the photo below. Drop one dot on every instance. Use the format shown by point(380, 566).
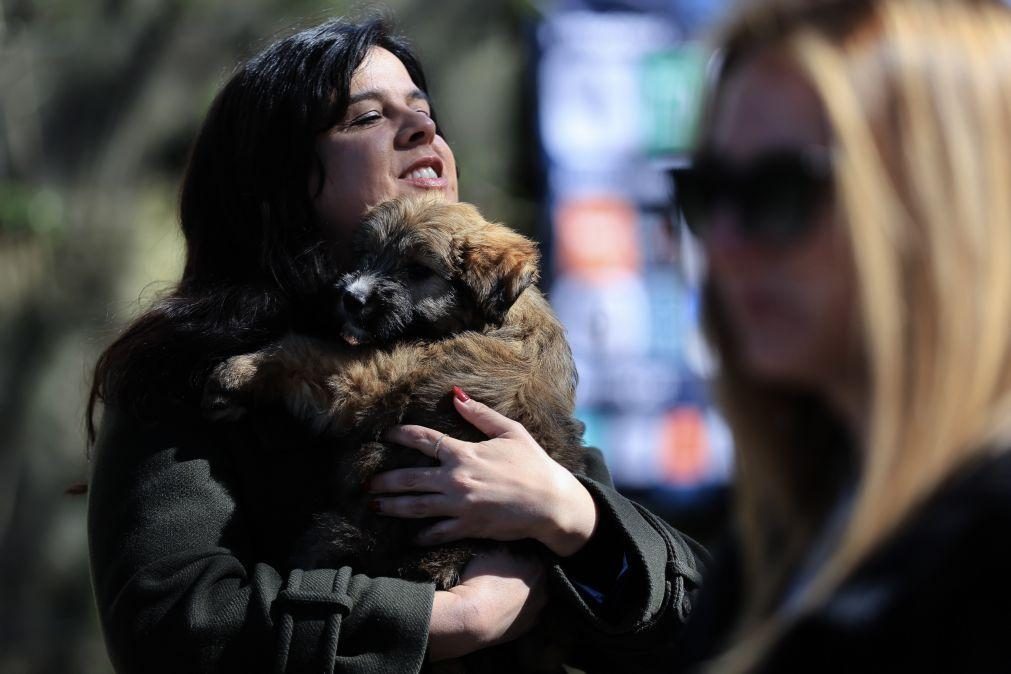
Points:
point(778, 198)
point(778, 195)
point(773, 197)
point(777, 214)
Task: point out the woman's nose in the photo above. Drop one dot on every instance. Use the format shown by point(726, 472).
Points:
point(417, 129)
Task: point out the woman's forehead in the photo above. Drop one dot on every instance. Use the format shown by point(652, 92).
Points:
point(381, 74)
point(766, 103)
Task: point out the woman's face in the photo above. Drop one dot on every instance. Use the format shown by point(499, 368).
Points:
point(386, 146)
point(790, 304)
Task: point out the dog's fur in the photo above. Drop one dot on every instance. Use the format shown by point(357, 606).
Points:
point(440, 297)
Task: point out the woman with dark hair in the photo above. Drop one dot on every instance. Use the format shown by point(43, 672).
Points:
point(190, 523)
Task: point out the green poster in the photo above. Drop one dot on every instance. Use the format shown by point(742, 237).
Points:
point(672, 84)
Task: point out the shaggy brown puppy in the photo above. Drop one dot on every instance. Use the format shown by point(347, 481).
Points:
point(441, 297)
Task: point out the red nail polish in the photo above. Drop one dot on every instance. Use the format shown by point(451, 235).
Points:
point(460, 395)
point(375, 506)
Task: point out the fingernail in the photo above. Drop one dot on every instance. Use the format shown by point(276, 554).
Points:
point(375, 506)
point(460, 395)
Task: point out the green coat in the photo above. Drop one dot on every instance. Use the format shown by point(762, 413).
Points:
point(187, 522)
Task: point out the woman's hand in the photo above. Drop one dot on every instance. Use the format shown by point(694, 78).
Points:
point(504, 488)
point(497, 600)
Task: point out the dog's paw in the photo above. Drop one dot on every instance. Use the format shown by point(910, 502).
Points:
point(446, 578)
point(375, 392)
point(442, 565)
point(221, 405)
point(227, 387)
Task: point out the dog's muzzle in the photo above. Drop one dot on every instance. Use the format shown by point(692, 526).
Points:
point(353, 302)
point(355, 295)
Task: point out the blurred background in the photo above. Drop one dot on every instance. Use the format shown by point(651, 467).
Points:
point(562, 116)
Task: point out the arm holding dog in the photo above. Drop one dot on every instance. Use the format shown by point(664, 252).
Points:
point(506, 488)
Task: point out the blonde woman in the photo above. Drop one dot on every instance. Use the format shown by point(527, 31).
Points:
point(852, 191)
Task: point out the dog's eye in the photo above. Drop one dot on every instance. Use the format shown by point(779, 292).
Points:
point(419, 272)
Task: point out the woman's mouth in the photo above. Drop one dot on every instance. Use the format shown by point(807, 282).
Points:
point(425, 174)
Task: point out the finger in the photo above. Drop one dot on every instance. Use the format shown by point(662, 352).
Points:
point(484, 418)
point(406, 479)
point(425, 440)
point(411, 507)
point(450, 529)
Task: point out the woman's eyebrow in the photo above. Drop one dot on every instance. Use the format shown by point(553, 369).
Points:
point(376, 95)
point(418, 95)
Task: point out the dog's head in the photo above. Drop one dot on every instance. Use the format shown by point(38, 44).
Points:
point(429, 268)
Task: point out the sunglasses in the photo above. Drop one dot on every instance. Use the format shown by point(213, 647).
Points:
point(773, 197)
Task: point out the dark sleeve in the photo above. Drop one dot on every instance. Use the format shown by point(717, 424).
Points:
point(642, 619)
point(178, 591)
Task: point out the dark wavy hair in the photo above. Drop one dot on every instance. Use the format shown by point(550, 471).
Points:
point(255, 257)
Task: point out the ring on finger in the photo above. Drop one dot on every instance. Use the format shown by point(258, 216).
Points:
point(438, 446)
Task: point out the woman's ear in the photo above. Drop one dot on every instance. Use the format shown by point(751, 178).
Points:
point(497, 264)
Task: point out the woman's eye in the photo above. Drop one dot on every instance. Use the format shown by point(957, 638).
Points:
point(365, 119)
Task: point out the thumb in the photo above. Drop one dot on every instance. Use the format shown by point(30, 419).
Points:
point(482, 417)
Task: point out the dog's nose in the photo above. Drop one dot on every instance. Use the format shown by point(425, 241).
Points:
point(354, 302)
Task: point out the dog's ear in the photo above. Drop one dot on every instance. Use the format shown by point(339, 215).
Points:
point(497, 264)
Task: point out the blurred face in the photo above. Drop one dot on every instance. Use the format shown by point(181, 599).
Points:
point(386, 146)
point(789, 299)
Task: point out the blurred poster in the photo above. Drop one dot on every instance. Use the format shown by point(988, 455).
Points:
point(618, 98)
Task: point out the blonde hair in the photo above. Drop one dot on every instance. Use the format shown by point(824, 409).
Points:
point(917, 94)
